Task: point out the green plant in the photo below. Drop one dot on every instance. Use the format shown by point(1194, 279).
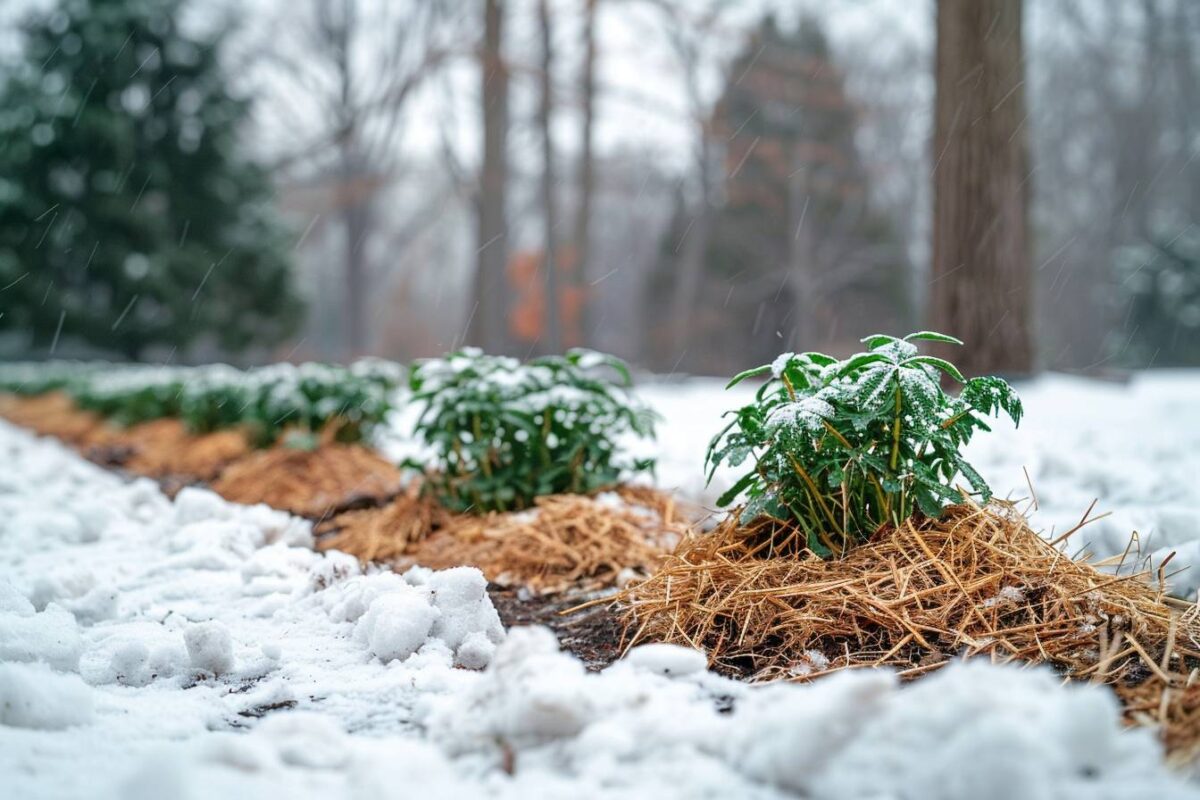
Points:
point(215, 397)
point(162, 230)
point(503, 433)
point(345, 402)
point(840, 448)
point(131, 394)
point(29, 378)
point(315, 398)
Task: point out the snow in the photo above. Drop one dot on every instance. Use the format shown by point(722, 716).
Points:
point(856, 734)
point(780, 364)
point(460, 594)
point(667, 659)
point(971, 730)
point(196, 648)
point(396, 624)
point(34, 696)
point(209, 647)
point(185, 623)
point(50, 636)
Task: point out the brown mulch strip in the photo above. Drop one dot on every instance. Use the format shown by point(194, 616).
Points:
point(1174, 709)
point(564, 542)
point(52, 414)
point(165, 449)
point(316, 483)
point(978, 582)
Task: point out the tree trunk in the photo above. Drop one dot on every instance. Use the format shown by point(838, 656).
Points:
point(1189, 101)
point(981, 289)
point(488, 326)
point(354, 220)
point(587, 180)
point(692, 250)
point(552, 333)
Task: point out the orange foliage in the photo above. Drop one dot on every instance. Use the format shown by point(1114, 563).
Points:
point(527, 321)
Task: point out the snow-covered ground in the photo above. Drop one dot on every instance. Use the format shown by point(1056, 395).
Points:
point(1133, 447)
point(155, 649)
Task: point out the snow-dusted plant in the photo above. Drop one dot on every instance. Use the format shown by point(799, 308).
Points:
point(315, 398)
point(344, 402)
point(841, 448)
point(38, 377)
point(310, 398)
point(503, 433)
point(130, 394)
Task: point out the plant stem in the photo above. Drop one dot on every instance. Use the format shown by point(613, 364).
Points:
point(896, 430)
point(816, 493)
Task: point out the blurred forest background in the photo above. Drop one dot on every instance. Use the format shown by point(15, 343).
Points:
point(700, 184)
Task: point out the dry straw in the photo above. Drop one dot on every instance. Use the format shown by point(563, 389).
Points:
point(159, 449)
point(977, 582)
point(164, 448)
point(310, 483)
point(565, 542)
point(52, 414)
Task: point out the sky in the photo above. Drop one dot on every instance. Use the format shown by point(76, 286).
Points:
point(640, 79)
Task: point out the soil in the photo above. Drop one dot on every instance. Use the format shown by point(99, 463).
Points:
point(594, 634)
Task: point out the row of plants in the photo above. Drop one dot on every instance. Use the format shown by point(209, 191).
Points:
point(344, 402)
point(836, 447)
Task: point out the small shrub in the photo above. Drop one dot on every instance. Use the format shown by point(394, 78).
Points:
point(215, 397)
point(843, 447)
point(130, 395)
point(315, 398)
point(503, 433)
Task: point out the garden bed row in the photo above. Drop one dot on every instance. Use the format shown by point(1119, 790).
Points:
point(820, 568)
point(561, 545)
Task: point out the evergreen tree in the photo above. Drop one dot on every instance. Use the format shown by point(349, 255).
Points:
point(127, 216)
point(796, 256)
point(1160, 298)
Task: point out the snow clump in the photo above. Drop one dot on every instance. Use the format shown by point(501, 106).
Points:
point(210, 647)
point(34, 696)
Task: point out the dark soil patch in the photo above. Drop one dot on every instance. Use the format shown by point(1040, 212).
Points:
point(594, 635)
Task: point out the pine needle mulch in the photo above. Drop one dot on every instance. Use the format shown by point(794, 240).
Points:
point(565, 542)
point(165, 449)
point(52, 414)
point(977, 582)
point(316, 483)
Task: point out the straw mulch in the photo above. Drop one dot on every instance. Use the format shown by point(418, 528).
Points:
point(977, 582)
point(52, 414)
point(565, 542)
point(385, 533)
point(315, 483)
point(165, 448)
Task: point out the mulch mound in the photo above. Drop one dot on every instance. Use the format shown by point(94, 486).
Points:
point(1173, 708)
point(165, 449)
point(317, 483)
point(565, 541)
point(977, 582)
point(52, 414)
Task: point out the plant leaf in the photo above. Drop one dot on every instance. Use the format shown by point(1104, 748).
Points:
point(932, 336)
